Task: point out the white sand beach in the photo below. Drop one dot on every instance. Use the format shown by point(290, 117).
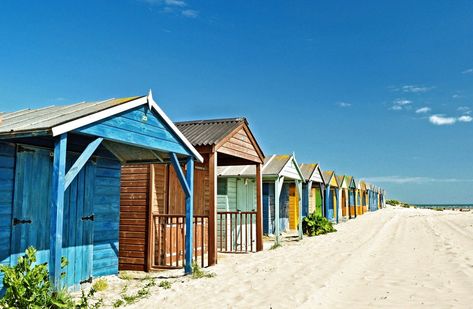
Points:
point(395, 257)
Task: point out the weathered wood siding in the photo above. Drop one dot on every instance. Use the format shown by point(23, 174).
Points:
point(240, 146)
point(7, 178)
point(134, 201)
point(138, 127)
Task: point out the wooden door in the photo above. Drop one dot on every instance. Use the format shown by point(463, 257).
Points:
point(31, 213)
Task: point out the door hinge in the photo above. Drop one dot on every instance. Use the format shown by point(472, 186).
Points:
point(17, 221)
point(90, 218)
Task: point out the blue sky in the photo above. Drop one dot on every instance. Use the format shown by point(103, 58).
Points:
point(377, 89)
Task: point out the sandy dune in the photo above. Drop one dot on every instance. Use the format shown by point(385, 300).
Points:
point(396, 257)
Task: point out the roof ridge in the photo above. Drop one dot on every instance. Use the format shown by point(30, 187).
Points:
point(216, 120)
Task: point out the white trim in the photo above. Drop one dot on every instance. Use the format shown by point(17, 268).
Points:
point(78, 123)
point(174, 128)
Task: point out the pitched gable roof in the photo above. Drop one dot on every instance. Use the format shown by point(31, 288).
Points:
point(56, 120)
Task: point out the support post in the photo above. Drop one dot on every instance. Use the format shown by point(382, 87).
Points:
point(299, 193)
point(57, 209)
point(189, 214)
point(327, 201)
point(337, 204)
point(277, 193)
point(212, 208)
point(354, 200)
point(259, 209)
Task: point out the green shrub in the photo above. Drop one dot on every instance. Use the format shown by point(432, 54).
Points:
point(27, 285)
point(198, 273)
point(100, 285)
point(315, 224)
point(393, 202)
point(165, 284)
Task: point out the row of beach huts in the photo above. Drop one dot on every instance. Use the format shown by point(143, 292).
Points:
point(115, 185)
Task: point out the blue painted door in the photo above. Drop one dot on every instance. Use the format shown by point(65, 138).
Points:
point(330, 210)
point(31, 203)
point(78, 226)
point(31, 212)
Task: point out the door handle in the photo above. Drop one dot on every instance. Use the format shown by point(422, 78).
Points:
point(17, 221)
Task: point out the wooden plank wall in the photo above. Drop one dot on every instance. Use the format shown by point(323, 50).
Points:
point(7, 176)
point(106, 207)
point(240, 146)
point(133, 216)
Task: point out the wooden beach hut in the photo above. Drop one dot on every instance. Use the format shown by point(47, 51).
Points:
point(221, 142)
point(351, 188)
point(364, 196)
point(312, 189)
point(331, 199)
point(282, 193)
point(358, 198)
point(60, 180)
point(343, 210)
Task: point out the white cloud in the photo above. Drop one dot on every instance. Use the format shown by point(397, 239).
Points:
point(178, 3)
point(415, 89)
point(456, 96)
point(465, 118)
point(423, 110)
point(464, 109)
point(174, 6)
point(400, 104)
point(343, 104)
point(468, 71)
point(441, 120)
point(190, 13)
point(412, 180)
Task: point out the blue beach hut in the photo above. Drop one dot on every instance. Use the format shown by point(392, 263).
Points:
point(60, 180)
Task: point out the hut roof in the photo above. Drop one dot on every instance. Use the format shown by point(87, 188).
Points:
point(309, 169)
point(328, 176)
point(56, 120)
point(209, 132)
point(273, 165)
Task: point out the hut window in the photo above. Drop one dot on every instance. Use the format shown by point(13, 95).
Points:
point(222, 186)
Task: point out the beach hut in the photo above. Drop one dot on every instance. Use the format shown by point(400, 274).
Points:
point(282, 193)
point(221, 142)
point(364, 196)
point(312, 189)
point(331, 200)
point(342, 196)
point(358, 198)
point(351, 188)
point(60, 180)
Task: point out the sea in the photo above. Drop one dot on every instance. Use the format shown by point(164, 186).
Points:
point(446, 206)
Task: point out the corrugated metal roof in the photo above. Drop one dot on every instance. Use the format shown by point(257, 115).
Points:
point(30, 120)
point(208, 132)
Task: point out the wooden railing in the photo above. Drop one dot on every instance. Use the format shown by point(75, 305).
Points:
point(236, 231)
point(169, 240)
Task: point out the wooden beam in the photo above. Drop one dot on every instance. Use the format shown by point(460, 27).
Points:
point(259, 209)
point(150, 243)
point(81, 161)
point(337, 205)
point(277, 193)
point(189, 216)
point(57, 209)
point(180, 175)
point(212, 208)
point(299, 193)
point(327, 200)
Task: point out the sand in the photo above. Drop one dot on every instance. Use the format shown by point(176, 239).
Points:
point(395, 257)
